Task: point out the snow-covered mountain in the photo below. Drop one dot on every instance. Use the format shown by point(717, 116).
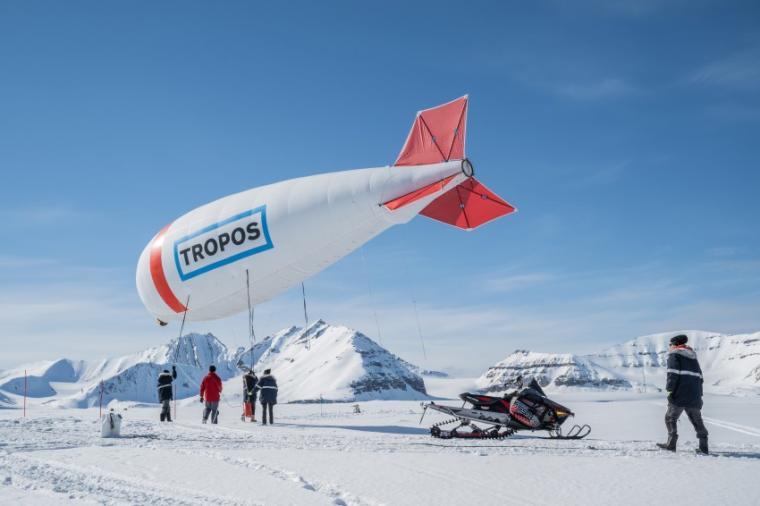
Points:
point(71, 383)
point(333, 363)
point(430, 373)
point(549, 369)
point(730, 363)
point(326, 362)
point(6, 402)
point(40, 376)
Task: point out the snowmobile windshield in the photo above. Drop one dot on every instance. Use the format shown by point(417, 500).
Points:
point(533, 385)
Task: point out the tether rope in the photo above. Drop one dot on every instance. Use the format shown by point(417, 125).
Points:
point(176, 352)
point(251, 330)
point(305, 316)
point(371, 297)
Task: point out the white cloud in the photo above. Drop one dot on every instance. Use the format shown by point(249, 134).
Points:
point(602, 176)
point(637, 7)
point(15, 262)
point(39, 215)
point(99, 314)
point(723, 251)
point(735, 112)
point(739, 71)
point(518, 281)
point(603, 89)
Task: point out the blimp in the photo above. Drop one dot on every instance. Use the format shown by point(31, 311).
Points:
point(201, 266)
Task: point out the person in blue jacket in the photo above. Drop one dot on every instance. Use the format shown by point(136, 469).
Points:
point(267, 388)
point(684, 387)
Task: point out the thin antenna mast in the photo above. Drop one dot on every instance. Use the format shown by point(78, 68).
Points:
point(419, 328)
point(176, 351)
point(305, 316)
point(371, 297)
point(251, 331)
point(416, 313)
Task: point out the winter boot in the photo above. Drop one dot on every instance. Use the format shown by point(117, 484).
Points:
point(163, 417)
point(703, 446)
point(670, 445)
point(168, 417)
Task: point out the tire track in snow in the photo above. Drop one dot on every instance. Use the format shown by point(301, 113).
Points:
point(338, 496)
point(30, 473)
point(503, 495)
point(743, 429)
point(724, 424)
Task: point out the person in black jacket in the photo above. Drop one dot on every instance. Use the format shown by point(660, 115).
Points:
point(684, 387)
point(268, 387)
point(249, 392)
point(165, 394)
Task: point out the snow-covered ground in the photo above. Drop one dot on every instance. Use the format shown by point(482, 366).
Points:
point(329, 455)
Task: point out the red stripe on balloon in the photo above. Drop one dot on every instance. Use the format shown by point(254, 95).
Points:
point(418, 194)
point(158, 275)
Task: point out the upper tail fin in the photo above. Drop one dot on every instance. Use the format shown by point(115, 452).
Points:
point(437, 135)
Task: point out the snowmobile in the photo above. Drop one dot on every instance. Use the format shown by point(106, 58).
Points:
point(527, 408)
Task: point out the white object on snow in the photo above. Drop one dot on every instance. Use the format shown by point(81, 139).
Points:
point(110, 425)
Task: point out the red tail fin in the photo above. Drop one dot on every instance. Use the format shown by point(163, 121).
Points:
point(437, 135)
point(468, 206)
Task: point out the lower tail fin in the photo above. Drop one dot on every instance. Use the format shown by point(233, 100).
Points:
point(468, 206)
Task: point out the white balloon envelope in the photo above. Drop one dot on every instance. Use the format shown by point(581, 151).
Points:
point(286, 232)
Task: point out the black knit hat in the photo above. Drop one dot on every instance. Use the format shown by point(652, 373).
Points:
point(212, 368)
point(679, 340)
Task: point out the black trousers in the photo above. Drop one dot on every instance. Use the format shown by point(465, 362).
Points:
point(264, 406)
point(695, 417)
point(166, 409)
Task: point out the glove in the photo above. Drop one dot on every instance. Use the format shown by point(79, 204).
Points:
point(201, 399)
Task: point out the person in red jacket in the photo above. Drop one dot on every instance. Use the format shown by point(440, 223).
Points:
point(211, 391)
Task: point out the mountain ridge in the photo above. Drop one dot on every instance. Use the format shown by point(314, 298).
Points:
point(730, 363)
point(375, 373)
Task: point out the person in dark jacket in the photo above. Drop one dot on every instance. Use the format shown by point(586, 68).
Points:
point(165, 394)
point(249, 392)
point(211, 392)
point(268, 388)
point(684, 387)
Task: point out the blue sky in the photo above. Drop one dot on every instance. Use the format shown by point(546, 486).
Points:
point(626, 132)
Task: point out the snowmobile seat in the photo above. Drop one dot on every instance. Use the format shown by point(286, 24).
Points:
point(486, 402)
